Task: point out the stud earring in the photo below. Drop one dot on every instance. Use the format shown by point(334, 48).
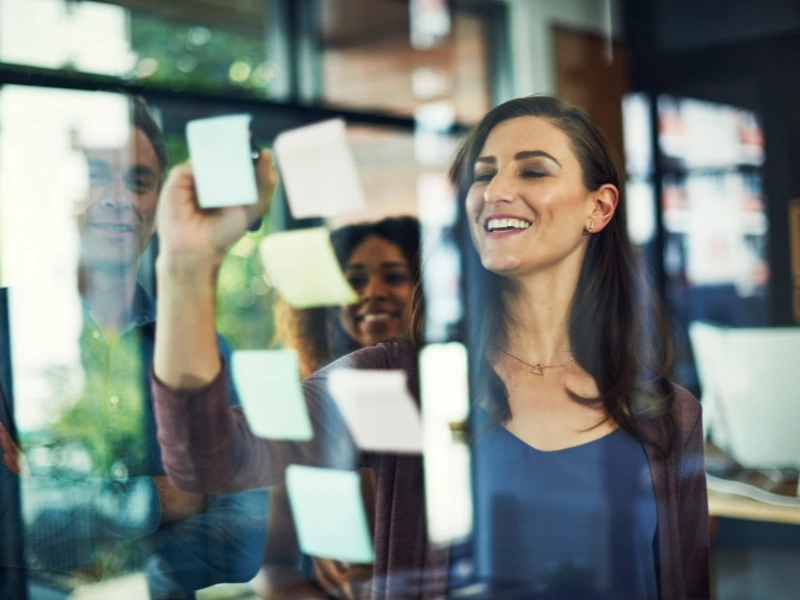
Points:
point(590, 230)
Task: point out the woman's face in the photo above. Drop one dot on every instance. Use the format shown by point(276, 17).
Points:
point(381, 276)
point(527, 206)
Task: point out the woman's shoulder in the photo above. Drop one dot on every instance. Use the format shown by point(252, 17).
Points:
point(680, 413)
point(395, 354)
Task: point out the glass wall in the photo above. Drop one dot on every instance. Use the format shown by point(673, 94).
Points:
point(368, 61)
point(95, 98)
point(210, 46)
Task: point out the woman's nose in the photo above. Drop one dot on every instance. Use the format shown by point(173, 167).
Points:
point(500, 189)
point(375, 288)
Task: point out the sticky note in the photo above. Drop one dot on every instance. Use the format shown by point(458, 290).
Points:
point(130, 587)
point(268, 383)
point(319, 171)
point(328, 510)
point(303, 267)
point(380, 413)
point(222, 163)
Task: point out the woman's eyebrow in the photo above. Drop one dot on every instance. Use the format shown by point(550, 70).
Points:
point(535, 154)
point(384, 265)
point(519, 156)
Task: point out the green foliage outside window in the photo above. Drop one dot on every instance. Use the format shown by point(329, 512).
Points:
point(181, 56)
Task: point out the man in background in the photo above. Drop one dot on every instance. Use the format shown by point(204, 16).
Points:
point(98, 505)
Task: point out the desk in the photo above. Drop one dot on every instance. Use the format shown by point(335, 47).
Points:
point(738, 507)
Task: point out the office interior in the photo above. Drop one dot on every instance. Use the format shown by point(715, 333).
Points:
point(699, 99)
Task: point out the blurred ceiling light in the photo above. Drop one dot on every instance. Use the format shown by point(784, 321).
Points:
point(239, 71)
point(435, 116)
point(427, 83)
point(146, 67)
point(430, 23)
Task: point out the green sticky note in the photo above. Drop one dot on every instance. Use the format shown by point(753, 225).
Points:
point(303, 267)
point(328, 511)
point(268, 383)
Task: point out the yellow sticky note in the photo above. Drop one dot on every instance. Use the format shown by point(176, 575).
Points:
point(130, 587)
point(328, 510)
point(303, 267)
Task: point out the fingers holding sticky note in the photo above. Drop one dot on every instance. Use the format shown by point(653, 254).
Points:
point(328, 510)
point(303, 267)
point(268, 384)
point(222, 161)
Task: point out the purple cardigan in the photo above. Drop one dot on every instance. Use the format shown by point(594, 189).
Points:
point(207, 446)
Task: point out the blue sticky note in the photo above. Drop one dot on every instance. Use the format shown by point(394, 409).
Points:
point(268, 383)
point(328, 510)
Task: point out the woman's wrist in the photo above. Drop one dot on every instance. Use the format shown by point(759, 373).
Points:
point(188, 271)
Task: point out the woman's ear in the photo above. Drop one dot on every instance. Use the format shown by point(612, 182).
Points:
point(604, 205)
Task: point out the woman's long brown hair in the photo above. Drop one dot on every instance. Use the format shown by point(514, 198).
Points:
point(628, 356)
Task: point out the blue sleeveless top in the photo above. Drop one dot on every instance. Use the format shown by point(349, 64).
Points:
point(578, 523)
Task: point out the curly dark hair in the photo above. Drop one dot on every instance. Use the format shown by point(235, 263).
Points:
point(316, 333)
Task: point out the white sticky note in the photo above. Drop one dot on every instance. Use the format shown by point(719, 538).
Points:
point(380, 413)
point(268, 383)
point(130, 587)
point(328, 510)
point(303, 267)
point(222, 161)
point(319, 171)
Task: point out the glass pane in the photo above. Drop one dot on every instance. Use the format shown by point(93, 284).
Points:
point(368, 60)
point(179, 45)
point(715, 221)
point(80, 174)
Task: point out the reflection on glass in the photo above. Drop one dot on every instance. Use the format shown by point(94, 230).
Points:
point(715, 222)
point(180, 46)
point(78, 373)
point(368, 60)
point(80, 175)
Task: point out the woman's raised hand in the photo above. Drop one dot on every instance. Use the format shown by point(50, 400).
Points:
point(190, 236)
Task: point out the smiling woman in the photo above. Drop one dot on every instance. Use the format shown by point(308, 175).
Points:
point(589, 478)
point(381, 262)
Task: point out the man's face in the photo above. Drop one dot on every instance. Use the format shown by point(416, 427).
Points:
point(119, 217)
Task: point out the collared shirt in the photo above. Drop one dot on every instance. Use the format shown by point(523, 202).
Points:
point(92, 498)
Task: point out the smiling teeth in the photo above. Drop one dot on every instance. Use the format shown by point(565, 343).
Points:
point(121, 228)
point(374, 316)
point(493, 224)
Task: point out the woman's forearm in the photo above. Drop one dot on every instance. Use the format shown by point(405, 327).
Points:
point(186, 352)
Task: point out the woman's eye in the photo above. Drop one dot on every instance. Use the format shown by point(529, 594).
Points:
point(396, 278)
point(137, 185)
point(356, 281)
point(484, 177)
point(532, 174)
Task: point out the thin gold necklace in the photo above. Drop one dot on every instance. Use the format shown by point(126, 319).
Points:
point(538, 368)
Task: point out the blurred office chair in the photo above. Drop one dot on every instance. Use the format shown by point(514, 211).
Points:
point(751, 389)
